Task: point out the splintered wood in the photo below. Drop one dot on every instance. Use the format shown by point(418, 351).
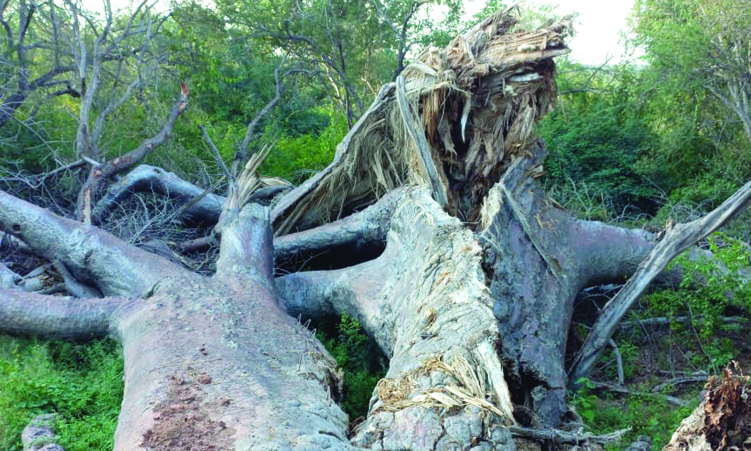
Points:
point(723, 420)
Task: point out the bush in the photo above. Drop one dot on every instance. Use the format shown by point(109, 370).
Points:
point(359, 357)
point(82, 383)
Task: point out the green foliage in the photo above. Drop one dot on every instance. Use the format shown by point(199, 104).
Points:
point(295, 158)
point(597, 140)
point(358, 356)
point(697, 56)
point(710, 289)
point(646, 414)
point(82, 383)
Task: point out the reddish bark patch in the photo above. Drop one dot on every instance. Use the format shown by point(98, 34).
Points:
point(183, 422)
point(727, 411)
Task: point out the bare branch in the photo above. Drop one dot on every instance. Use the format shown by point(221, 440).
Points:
point(55, 316)
point(675, 241)
point(242, 151)
point(217, 155)
point(112, 167)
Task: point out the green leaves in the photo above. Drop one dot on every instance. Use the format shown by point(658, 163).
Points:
point(82, 383)
point(358, 356)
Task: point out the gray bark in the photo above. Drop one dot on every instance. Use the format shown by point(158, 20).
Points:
point(200, 205)
point(90, 254)
point(676, 240)
point(425, 303)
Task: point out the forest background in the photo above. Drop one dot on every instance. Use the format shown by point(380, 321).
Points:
point(643, 141)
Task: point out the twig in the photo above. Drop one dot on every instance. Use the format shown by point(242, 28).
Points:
point(678, 381)
point(217, 155)
point(559, 436)
point(618, 361)
point(625, 391)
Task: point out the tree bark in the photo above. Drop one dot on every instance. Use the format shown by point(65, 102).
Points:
point(473, 314)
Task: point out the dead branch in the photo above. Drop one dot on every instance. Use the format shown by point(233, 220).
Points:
point(676, 240)
point(662, 321)
point(558, 436)
point(198, 204)
point(625, 391)
point(125, 162)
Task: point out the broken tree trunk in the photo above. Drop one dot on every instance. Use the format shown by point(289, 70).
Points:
point(471, 297)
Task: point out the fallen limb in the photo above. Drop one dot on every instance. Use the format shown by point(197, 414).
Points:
point(679, 381)
point(201, 205)
point(676, 240)
point(625, 391)
point(558, 436)
point(662, 321)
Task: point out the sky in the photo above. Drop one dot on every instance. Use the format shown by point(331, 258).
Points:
point(597, 28)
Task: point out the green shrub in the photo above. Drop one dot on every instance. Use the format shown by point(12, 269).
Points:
point(82, 383)
point(359, 357)
point(295, 158)
point(646, 414)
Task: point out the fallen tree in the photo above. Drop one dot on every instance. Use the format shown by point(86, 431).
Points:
point(470, 296)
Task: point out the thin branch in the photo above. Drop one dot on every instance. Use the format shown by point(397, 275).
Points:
point(217, 155)
point(242, 152)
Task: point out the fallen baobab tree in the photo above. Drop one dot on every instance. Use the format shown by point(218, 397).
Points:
point(471, 294)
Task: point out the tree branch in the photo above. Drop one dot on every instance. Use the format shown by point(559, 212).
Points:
point(24, 313)
point(112, 167)
point(90, 254)
point(675, 241)
point(199, 204)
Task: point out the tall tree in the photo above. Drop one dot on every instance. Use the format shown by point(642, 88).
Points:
point(699, 77)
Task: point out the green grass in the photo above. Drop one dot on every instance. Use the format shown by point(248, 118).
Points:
point(646, 414)
point(82, 383)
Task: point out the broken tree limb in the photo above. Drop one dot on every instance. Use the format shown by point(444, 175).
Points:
point(676, 240)
point(365, 228)
point(89, 253)
point(620, 388)
point(558, 436)
point(200, 204)
point(662, 321)
point(294, 196)
point(478, 99)
point(55, 316)
point(417, 136)
point(109, 168)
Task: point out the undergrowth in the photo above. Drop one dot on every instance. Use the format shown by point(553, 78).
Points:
point(709, 314)
point(359, 357)
point(646, 415)
point(82, 383)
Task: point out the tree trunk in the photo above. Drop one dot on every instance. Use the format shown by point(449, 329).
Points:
point(471, 295)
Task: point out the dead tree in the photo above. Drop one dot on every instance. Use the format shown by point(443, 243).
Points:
point(32, 30)
point(470, 297)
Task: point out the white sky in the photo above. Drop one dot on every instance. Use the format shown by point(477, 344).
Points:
point(597, 28)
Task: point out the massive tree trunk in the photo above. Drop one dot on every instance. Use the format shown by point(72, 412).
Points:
point(470, 295)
